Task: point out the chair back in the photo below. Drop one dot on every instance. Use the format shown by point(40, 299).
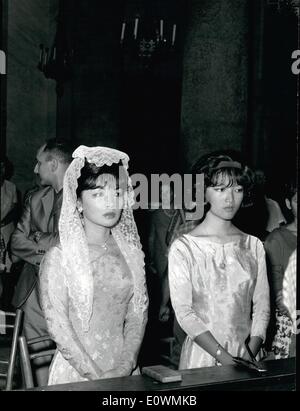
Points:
point(10, 323)
point(26, 357)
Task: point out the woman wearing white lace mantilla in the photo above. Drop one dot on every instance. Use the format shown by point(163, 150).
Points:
point(93, 283)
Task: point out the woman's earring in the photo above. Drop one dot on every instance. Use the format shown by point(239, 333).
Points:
point(80, 211)
point(79, 207)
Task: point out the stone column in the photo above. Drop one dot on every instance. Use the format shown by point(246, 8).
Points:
point(215, 78)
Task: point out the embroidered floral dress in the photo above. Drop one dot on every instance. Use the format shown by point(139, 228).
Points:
point(279, 246)
point(116, 327)
point(221, 288)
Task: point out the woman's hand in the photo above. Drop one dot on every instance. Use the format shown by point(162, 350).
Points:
point(123, 369)
point(116, 372)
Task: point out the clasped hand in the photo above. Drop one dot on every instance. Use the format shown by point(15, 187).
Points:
point(121, 371)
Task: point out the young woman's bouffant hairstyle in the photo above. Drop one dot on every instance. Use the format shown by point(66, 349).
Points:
point(90, 173)
point(214, 174)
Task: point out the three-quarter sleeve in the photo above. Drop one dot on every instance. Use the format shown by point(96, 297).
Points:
point(261, 297)
point(55, 303)
point(181, 290)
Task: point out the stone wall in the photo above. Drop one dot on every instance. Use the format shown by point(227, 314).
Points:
point(106, 103)
point(89, 109)
point(31, 98)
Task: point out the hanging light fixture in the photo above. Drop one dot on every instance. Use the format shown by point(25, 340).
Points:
point(148, 37)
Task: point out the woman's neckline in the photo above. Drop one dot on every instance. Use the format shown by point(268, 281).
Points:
point(103, 245)
point(207, 239)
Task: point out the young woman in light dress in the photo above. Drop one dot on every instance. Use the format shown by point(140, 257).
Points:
point(93, 283)
point(279, 246)
point(217, 274)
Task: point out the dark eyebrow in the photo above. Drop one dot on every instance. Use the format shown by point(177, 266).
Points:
point(99, 186)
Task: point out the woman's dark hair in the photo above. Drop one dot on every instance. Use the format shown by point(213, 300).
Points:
point(90, 173)
point(215, 174)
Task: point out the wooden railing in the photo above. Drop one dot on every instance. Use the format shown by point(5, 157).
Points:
point(280, 375)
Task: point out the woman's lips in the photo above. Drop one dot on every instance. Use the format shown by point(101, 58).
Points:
point(229, 209)
point(110, 215)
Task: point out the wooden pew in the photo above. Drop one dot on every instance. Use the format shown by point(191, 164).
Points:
point(280, 375)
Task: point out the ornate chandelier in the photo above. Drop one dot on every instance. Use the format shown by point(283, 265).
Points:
point(147, 38)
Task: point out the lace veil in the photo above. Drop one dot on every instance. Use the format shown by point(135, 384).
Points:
point(73, 239)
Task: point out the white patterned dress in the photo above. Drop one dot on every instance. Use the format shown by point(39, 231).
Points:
point(116, 328)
